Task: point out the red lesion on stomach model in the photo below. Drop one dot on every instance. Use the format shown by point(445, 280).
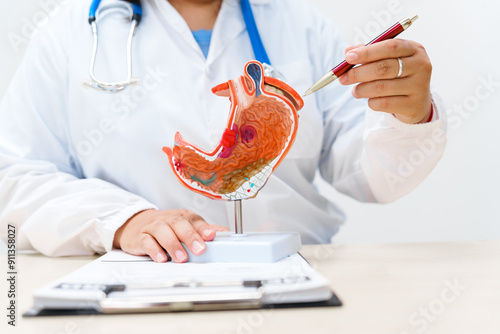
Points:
point(263, 131)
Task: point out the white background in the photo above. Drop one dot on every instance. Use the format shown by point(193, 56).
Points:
point(458, 200)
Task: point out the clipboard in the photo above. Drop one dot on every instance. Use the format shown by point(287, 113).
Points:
point(247, 301)
point(290, 283)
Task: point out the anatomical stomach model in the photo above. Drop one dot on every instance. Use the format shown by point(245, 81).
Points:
point(260, 131)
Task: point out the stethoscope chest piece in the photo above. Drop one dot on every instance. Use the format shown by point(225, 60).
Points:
point(270, 71)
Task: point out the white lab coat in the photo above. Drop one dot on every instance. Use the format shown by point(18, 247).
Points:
point(76, 163)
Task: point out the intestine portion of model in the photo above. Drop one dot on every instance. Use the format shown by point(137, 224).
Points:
point(261, 129)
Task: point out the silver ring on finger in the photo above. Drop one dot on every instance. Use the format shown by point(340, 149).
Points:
point(400, 72)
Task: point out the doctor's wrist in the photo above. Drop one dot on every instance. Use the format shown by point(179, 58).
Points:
point(429, 116)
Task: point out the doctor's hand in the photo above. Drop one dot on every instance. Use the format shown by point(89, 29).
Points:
point(408, 96)
point(151, 232)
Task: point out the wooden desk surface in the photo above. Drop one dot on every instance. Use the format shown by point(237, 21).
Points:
point(443, 288)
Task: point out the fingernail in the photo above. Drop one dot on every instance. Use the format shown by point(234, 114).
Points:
point(343, 79)
point(207, 233)
point(351, 56)
point(180, 255)
point(160, 257)
point(197, 247)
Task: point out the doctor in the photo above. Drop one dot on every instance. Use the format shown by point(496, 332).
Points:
point(82, 171)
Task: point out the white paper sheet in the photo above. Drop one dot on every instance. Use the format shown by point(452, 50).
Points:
point(287, 281)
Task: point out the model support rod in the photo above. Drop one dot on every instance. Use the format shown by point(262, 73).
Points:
point(238, 217)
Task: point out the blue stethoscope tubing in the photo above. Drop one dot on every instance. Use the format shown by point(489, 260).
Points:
point(258, 47)
point(253, 33)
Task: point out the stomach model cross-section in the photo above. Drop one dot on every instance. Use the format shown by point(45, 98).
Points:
point(260, 131)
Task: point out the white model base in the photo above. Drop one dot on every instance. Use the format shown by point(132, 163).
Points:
point(249, 247)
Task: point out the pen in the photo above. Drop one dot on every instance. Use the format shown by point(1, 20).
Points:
point(344, 66)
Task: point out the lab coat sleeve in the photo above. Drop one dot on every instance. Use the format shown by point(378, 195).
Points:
point(43, 193)
point(368, 155)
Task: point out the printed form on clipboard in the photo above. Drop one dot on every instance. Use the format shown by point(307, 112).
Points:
point(121, 283)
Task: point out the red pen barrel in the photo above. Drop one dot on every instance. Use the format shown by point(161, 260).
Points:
point(388, 34)
point(341, 68)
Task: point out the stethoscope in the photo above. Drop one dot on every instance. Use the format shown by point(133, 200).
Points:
point(134, 13)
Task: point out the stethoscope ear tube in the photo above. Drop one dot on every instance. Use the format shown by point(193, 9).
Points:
point(93, 9)
point(135, 14)
point(136, 10)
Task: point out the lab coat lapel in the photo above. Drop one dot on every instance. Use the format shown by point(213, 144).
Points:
point(228, 26)
point(171, 18)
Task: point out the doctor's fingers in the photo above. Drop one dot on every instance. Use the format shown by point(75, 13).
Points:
point(381, 69)
point(205, 230)
point(160, 237)
point(149, 246)
point(381, 88)
point(169, 231)
point(218, 228)
point(407, 109)
point(394, 48)
point(192, 231)
point(352, 47)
